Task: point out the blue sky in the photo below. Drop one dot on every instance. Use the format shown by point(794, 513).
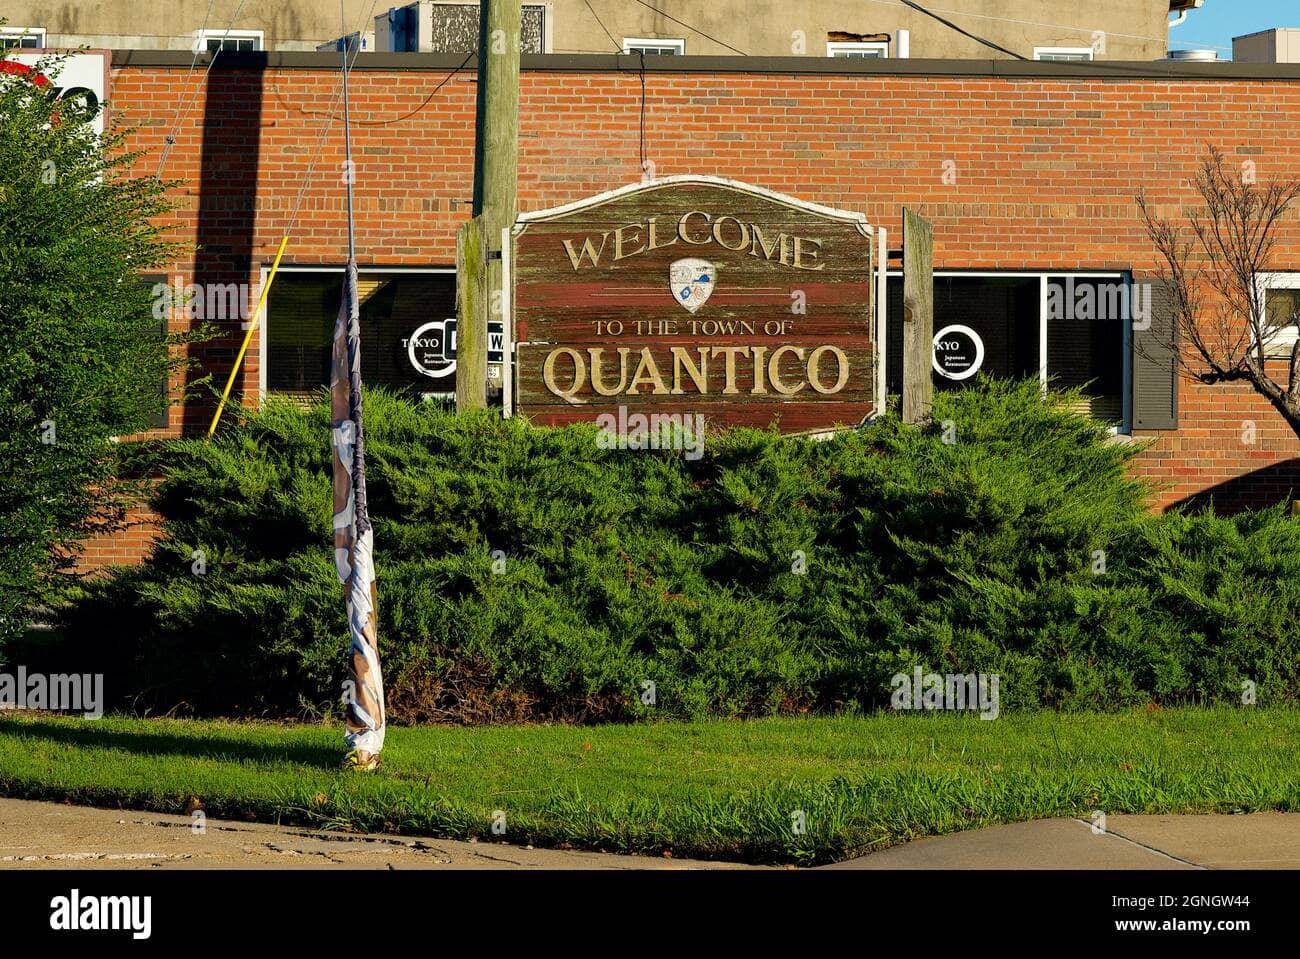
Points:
point(1216, 23)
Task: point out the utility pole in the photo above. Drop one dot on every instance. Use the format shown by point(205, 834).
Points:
point(496, 169)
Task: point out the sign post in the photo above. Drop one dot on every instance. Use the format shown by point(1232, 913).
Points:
point(496, 171)
point(918, 318)
point(695, 295)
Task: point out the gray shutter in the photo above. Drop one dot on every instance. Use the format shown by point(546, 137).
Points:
point(1155, 363)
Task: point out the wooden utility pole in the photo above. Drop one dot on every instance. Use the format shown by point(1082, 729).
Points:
point(496, 168)
point(918, 318)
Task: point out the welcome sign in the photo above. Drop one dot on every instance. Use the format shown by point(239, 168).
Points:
point(695, 295)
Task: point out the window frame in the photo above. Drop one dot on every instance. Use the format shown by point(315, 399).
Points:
point(630, 43)
point(19, 33)
point(1125, 426)
point(842, 49)
point(1278, 347)
point(548, 16)
point(261, 319)
point(1065, 54)
point(203, 36)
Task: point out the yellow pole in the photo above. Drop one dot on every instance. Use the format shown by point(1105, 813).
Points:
point(248, 338)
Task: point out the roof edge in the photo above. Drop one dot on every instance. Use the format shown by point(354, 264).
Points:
point(834, 66)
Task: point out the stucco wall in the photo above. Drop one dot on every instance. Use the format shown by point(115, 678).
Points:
point(1133, 29)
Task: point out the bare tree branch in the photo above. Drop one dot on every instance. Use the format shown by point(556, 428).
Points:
point(1226, 250)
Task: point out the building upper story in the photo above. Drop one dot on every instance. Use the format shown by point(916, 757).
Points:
point(950, 29)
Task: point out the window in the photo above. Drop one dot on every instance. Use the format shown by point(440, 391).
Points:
point(396, 306)
point(1066, 329)
point(1281, 295)
point(1063, 54)
point(857, 51)
point(233, 41)
point(654, 48)
point(15, 37)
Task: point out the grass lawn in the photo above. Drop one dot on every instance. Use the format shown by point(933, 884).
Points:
point(721, 789)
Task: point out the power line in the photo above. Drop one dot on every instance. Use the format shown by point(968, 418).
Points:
point(964, 32)
point(1054, 26)
point(389, 122)
point(721, 43)
point(176, 120)
point(171, 140)
point(320, 142)
point(618, 47)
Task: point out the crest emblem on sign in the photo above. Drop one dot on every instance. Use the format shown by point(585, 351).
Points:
point(692, 282)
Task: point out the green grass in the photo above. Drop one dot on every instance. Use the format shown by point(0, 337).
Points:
point(723, 789)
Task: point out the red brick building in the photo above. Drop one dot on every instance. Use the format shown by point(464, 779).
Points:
point(1027, 170)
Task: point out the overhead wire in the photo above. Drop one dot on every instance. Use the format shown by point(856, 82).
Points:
point(187, 103)
point(669, 16)
point(1053, 26)
point(962, 30)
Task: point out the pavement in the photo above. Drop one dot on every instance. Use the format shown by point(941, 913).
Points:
point(39, 835)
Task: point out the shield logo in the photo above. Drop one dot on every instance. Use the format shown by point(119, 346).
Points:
point(692, 282)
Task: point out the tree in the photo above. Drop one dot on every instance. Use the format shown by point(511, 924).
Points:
point(1213, 273)
point(83, 359)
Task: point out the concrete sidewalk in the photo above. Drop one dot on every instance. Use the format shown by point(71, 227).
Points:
point(40, 835)
point(1266, 840)
point(37, 835)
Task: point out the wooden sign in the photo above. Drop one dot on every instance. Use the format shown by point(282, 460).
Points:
point(695, 295)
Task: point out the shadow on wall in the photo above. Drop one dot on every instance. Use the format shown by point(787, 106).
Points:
point(1255, 490)
point(227, 214)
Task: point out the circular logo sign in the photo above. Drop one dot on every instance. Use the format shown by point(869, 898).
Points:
point(425, 350)
point(958, 352)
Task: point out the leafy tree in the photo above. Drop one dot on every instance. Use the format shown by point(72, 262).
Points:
point(84, 359)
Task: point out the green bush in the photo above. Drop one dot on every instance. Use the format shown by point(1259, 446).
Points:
point(84, 357)
point(526, 573)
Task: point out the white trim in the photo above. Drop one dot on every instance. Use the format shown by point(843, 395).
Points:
point(542, 216)
point(1278, 347)
point(201, 37)
point(1042, 331)
point(1051, 53)
point(548, 25)
point(882, 320)
point(677, 43)
point(507, 323)
point(37, 32)
point(264, 352)
point(844, 48)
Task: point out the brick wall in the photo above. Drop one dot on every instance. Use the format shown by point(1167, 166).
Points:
point(126, 546)
point(1046, 169)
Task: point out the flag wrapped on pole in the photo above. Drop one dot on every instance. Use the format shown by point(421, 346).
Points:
point(354, 538)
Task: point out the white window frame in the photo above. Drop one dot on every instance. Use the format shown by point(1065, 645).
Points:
point(631, 43)
point(1088, 53)
point(263, 344)
point(9, 33)
point(201, 38)
point(842, 49)
point(1279, 347)
point(1044, 280)
point(548, 17)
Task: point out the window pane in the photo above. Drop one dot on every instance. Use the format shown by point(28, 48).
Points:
point(1003, 312)
point(1280, 308)
point(1085, 341)
point(300, 326)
